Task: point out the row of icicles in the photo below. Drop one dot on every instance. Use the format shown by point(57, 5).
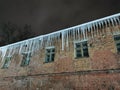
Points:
point(80, 32)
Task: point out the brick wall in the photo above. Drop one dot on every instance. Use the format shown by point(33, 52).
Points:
point(99, 71)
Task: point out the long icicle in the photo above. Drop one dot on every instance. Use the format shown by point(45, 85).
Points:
point(63, 40)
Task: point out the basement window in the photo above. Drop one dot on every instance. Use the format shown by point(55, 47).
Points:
point(26, 58)
point(117, 42)
point(50, 54)
point(81, 49)
point(7, 62)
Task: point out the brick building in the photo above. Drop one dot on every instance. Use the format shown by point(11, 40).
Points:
point(83, 57)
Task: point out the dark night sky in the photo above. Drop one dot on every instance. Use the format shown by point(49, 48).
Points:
point(50, 15)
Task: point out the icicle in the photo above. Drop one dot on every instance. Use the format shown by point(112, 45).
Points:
point(89, 26)
point(99, 23)
point(20, 49)
point(10, 51)
point(118, 20)
point(102, 24)
point(37, 45)
point(83, 32)
point(33, 47)
point(108, 22)
point(96, 26)
point(78, 33)
point(48, 39)
point(57, 37)
point(88, 31)
point(30, 46)
point(73, 33)
point(115, 20)
point(53, 39)
point(40, 41)
point(97, 32)
point(92, 32)
point(63, 40)
point(116, 23)
point(94, 29)
point(105, 23)
point(4, 51)
point(67, 41)
point(13, 51)
point(112, 22)
point(27, 48)
point(86, 34)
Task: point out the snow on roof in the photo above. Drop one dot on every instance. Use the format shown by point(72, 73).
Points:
point(36, 43)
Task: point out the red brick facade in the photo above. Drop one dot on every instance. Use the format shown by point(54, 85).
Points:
point(99, 71)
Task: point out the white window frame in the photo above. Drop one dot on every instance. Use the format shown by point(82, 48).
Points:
point(6, 65)
point(51, 47)
point(27, 59)
point(86, 40)
point(116, 41)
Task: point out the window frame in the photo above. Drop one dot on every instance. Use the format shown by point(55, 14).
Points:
point(6, 62)
point(50, 54)
point(25, 56)
point(117, 42)
point(81, 49)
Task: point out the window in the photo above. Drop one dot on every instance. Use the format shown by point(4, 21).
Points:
point(7, 62)
point(50, 54)
point(26, 59)
point(117, 42)
point(81, 49)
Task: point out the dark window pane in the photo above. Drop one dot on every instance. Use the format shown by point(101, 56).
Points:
point(50, 54)
point(82, 50)
point(78, 51)
point(78, 55)
point(48, 50)
point(47, 58)
point(53, 50)
point(117, 41)
point(52, 57)
point(85, 49)
point(86, 54)
point(118, 44)
point(26, 59)
point(116, 38)
point(78, 45)
point(7, 60)
point(84, 44)
point(23, 63)
point(118, 49)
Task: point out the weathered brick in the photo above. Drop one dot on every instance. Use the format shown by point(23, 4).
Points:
point(99, 71)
